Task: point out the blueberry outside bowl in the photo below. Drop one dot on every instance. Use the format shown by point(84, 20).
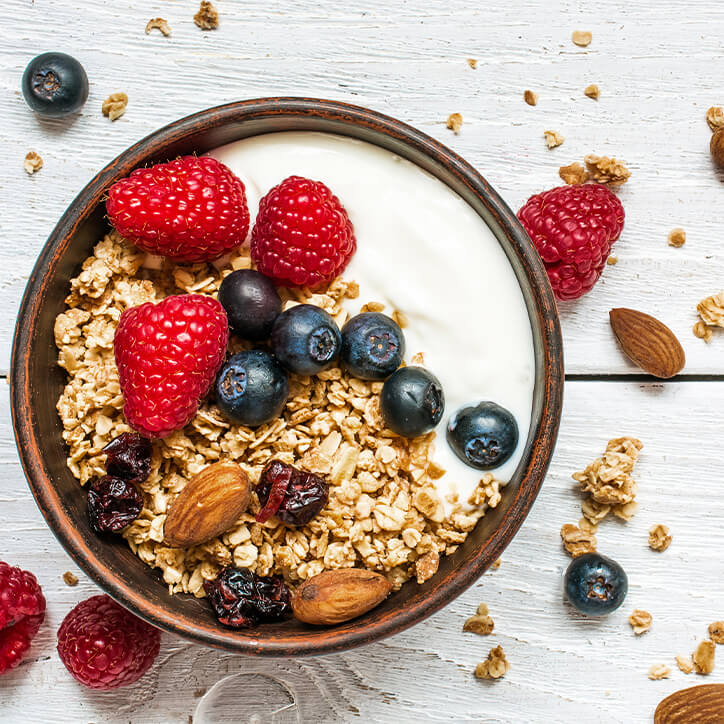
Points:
point(36, 382)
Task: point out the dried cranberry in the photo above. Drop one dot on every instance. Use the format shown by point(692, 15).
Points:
point(113, 504)
point(305, 494)
point(129, 457)
point(241, 599)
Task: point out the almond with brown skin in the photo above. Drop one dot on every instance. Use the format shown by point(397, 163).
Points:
point(696, 705)
point(335, 596)
point(210, 504)
point(648, 342)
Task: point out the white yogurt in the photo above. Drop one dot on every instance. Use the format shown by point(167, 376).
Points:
point(423, 250)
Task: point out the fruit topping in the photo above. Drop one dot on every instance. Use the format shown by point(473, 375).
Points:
point(373, 346)
point(252, 303)
point(573, 228)
point(305, 339)
point(302, 235)
point(484, 435)
point(190, 210)
point(292, 495)
point(55, 84)
point(252, 388)
point(241, 599)
point(129, 457)
point(22, 610)
point(104, 646)
point(168, 355)
point(113, 504)
point(595, 585)
point(412, 401)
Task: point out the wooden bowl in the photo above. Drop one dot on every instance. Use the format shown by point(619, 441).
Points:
point(36, 382)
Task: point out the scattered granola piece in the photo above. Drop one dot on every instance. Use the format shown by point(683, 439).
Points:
point(677, 237)
point(605, 170)
point(574, 174)
point(716, 632)
point(592, 91)
point(530, 98)
point(207, 17)
point(625, 511)
point(158, 24)
point(401, 318)
point(70, 579)
point(659, 537)
point(659, 671)
point(577, 541)
point(494, 667)
point(582, 38)
point(553, 139)
point(702, 331)
point(454, 122)
point(711, 310)
point(703, 657)
point(685, 663)
point(481, 623)
point(472, 62)
point(496, 565)
point(115, 105)
point(612, 260)
point(586, 525)
point(715, 117)
point(33, 162)
point(640, 621)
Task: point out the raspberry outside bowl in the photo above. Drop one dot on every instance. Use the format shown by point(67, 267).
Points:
point(36, 382)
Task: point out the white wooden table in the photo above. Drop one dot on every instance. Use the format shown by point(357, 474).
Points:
point(658, 65)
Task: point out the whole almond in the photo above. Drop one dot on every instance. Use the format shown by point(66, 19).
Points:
point(648, 342)
point(339, 595)
point(696, 705)
point(210, 504)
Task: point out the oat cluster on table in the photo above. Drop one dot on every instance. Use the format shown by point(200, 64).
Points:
point(115, 106)
point(640, 621)
point(207, 16)
point(481, 622)
point(592, 91)
point(659, 671)
point(160, 24)
point(578, 541)
point(677, 238)
point(496, 666)
point(582, 38)
point(659, 537)
point(32, 162)
point(553, 139)
point(454, 122)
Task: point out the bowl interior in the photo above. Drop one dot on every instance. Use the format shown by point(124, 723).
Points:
point(37, 381)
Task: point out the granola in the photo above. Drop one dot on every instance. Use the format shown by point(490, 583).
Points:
point(715, 117)
point(494, 667)
point(659, 538)
point(32, 162)
point(454, 122)
point(207, 16)
point(659, 671)
point(582, 38)
point(677, 237)
point(685, 663)
point(472, 62)
point(530, 98)
point(592, 91)
point(711, 310)
point(158, 24)
point(703, 657)
point(605, 170)
point(574, 174)
point(716, 632)
point(115, 105)
point(481, 623)
point(70, 579)
point(702, 331)
point(553, 139)
point(577, 541)
point(640, 621)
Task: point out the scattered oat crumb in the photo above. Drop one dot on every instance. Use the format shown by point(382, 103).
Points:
point(455, 122)
point(582, 38)
point(496, 565)
point(481, 623)
point(553, 139)
point(33, 162)
point(711, 310)
point(577, 541)
point(400, 318)
point(530, 98)
point(494, 667)
point(115, 105)
point(605, 170)
point(659, 671)
point(659, 537)
point(715, 117)
point(685, 663)
point(716, 632)
point(586, 525)
point(70, 579)
point(574, 174)
point(372, 307)
point(207, 17)
point(702, 331)
point(418, 359)
point(640, 621)
point(592, 91)
point(677, 237)
point(158, 24)
point(473, 63)
point(612, 260)
point(626, 511)
point(703, 657)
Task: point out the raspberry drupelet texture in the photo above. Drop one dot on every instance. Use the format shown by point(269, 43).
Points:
point(167, 356)
point(573, 228)
point(190, 210)
point(22, 610)
point(104, 646)
point(302, 235)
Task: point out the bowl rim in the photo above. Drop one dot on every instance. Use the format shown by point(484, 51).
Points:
point(549, 373)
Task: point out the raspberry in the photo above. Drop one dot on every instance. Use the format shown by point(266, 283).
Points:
point(302, 235)
point(190, 210)
point(573, 228)
point(167, 356)
point(104, 646)
point(22, 610)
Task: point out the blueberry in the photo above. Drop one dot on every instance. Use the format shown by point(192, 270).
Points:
point(483, 436)
point(412, 401)
point(252, 303)
point(252, 388)
point(595, 585)
point(305, 339)
point(55, 84)
point(373, 346)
